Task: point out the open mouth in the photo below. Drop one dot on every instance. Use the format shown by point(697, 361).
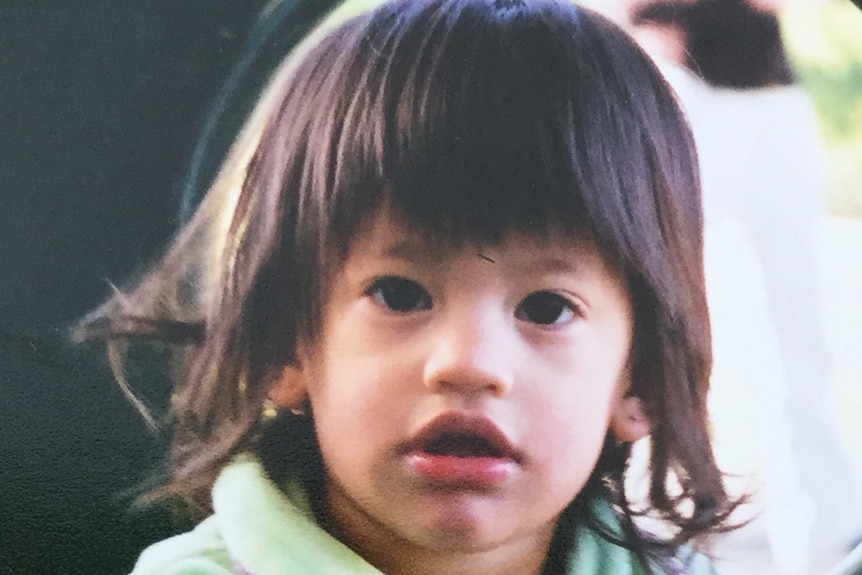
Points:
point(457, 444)
point(462, 451)
point(464, 436)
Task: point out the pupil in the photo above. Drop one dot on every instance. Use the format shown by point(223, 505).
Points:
point(543, 308)
point(402, 295)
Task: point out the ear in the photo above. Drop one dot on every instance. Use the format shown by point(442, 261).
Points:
point(629, 420)
point(289, 390)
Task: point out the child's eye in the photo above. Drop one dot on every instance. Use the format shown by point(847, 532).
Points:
point(399, 295)
point(546, 308)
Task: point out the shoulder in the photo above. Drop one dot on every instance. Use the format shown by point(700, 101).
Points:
point(688, 562)
point(604, 557)
point(596, 554)
point(198, 552)
point(257, 527)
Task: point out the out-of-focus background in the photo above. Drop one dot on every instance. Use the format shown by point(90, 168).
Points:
point(772, 387)
point(824, 40)
point(100, 104)
point(759, 413)
point(99, 112)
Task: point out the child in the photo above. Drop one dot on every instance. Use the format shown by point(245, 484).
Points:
point(458, 246)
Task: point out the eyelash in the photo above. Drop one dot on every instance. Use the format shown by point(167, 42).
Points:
point(416, 298)
point(375, 292)
point(562, 304)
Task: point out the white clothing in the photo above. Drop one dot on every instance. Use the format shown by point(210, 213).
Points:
point(761, 164)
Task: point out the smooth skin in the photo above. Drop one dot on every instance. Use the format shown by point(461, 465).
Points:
point(533, 335)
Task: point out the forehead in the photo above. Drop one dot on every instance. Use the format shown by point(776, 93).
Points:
point(387, 235)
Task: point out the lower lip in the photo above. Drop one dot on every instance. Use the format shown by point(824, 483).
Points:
point(476, 472)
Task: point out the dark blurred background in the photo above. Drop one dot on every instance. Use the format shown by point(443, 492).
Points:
point(100, 105)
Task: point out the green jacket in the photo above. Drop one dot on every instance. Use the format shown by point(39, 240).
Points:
point(259, 529)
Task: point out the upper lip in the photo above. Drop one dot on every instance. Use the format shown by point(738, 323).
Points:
point(478, 426)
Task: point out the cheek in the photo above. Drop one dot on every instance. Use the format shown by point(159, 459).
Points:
point(571, 421)
point(569, 452)
point(571, 428)
point(345, 435)
point(356, 406)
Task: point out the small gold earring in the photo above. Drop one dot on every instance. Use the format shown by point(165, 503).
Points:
point(270, 409)
point(297, 412)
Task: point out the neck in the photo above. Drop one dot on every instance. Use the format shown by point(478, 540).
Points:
point(403, 559)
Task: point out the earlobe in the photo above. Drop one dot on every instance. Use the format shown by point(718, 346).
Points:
point(289, 391)
point(629, 420)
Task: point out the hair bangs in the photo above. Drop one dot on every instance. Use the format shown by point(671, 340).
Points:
point(463, 123)
point(474, 119)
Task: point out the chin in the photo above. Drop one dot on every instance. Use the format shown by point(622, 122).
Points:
point(458, 540)
point(461, 531)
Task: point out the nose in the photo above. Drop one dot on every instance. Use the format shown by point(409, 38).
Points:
point(473, 351)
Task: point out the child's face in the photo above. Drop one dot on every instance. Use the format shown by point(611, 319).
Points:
point(462, 396)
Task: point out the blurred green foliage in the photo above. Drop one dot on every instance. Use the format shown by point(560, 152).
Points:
point(825, 45)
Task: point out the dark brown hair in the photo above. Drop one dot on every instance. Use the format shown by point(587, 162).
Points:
point(472, 118)
point(728, 43)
